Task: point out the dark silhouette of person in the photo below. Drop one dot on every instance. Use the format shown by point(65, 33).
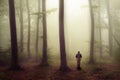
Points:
point(78, 57)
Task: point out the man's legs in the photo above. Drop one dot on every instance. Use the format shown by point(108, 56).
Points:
point(78, 64)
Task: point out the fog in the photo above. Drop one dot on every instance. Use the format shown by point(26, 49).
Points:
point(77, 27)
point(59, 39)
point(77, 24)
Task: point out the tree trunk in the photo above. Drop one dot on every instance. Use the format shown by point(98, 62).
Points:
point(37, 31)
point(14, 47)
point(21, 26)
point(63, 63)
point(92, 34)
point(110, 27)
point(100, 31)
point(29, 26)
point(44, 61)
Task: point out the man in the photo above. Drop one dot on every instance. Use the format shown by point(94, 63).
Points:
point(78, 57)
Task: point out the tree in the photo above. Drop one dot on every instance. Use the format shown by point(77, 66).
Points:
point(100, 31)
point(14, 47)
point(92, 34)
point(37, 29)
point(21, 26)
point(39, 16)
point(29, 26)
point(44, 61)
point(63, 63)
point(110, 27)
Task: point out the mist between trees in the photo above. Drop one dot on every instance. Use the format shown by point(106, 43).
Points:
point(47, 31)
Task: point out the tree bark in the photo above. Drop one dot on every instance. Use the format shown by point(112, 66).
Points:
point(92, 34)
point(110, 28)
point(100, 31)
point(37, 31)
point(21, 26)
point(63, 63)
point(29, 26)
point(44, 61)
point(14, 47)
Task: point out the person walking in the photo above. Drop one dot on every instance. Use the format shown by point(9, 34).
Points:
point(78, 57)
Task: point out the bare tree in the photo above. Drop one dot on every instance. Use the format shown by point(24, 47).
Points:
point(44, 61)
point(110, 27)
point(37, 30)
point(63, 63)
point(21, 26)
point(14, 47)
point(100, 31)
point(92, 33)
point(29, 26)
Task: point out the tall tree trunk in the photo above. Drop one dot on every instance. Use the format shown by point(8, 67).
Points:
point(110, 27)
point(100, 31)
point(37, 31)
point(44, 61)
point(14, 47)
point(29, 26)
point(21, 26)
point(63, 63)
point(92, 34)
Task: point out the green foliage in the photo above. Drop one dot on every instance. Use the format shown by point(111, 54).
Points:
point(47, 12)
point(97, 42)
point(49, 54)
point(102, 27)
point(51, 10)
point(3, 7)
point(41, 37)
point(117, 54)
point(37, 13)
point(94, 6)
point(117, 41)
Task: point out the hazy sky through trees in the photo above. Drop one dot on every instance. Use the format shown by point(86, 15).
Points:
point(77, 29)
point(77, 24)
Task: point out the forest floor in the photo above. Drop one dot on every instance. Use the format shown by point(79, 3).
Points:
point(31, 71)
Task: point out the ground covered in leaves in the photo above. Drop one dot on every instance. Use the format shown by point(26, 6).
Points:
point(32, 71)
